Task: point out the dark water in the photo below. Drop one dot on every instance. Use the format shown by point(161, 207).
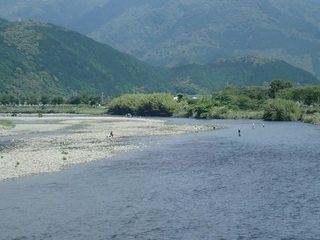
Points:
point(213, 185)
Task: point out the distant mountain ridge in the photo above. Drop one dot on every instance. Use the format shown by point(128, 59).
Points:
point(44, 59)
point(172, 33)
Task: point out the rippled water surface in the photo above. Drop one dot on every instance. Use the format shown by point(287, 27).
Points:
point(213, 185)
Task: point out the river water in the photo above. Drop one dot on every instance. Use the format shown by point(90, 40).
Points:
point(264, 184)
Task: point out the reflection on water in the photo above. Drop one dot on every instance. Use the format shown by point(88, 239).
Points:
point(212, 185)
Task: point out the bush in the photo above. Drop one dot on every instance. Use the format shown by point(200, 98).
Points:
point(157, 104)
point(281, 110)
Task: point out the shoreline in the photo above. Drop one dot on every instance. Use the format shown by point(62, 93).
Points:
point(83, 139)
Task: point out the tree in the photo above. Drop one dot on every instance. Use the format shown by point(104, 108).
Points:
point(57, 100)
point(7, 99)
point(311, 95)
point(126, 103)
point(255, 92)
point(80, 98)
point(277, 85)
point(94, 99)
point(44, 100)
point(228, 96)
point(281, 110)
point(33, 100)
point(157, 104)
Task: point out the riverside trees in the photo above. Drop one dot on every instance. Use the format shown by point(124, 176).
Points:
point(157, 104)
point(280, 101)
point(79, 98)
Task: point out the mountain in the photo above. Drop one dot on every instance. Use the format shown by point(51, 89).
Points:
point(43, 59)
point(38, 58)
point(172, 33)
point(240, 71)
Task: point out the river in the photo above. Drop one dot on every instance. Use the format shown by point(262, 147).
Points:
point(264, 184)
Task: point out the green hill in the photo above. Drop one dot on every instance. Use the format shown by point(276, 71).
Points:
point(39, 58)
point(172, 33)
point(43, 59)
point(241, 71)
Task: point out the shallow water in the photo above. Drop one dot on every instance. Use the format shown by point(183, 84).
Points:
point(8, 141)
point(212, 185)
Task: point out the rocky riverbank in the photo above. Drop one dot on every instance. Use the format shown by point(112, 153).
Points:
point(81, 139)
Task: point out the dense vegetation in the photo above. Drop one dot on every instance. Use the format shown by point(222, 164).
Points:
point(241, 71)
point(41, 61)
point(157, 104)
point(281, 101)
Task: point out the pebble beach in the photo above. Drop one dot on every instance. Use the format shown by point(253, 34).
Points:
point(75, 139)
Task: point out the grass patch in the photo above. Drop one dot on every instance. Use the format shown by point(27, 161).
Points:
point(6, 123)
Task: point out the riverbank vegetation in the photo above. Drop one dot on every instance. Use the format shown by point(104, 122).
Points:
point(6, 124)
point(280, 101)
point(51, 109)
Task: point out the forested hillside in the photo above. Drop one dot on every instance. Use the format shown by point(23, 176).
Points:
point(40, 59)
point(172, 33)
point(242, 71)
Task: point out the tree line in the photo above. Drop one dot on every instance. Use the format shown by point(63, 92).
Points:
point(79, 98)
point(280, 101)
